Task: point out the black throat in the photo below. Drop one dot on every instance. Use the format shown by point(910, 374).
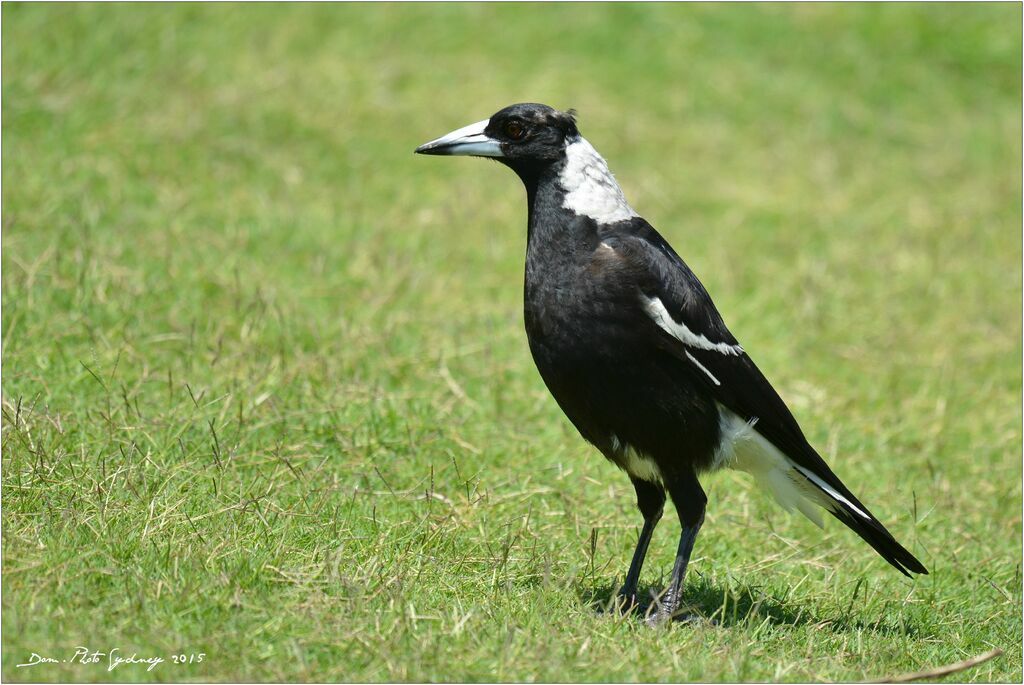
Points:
point(544, 195)
point(558, 240)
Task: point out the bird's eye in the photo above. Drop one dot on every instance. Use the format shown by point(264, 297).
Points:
point(515, 130)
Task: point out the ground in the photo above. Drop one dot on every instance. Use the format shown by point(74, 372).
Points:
point(266, 391)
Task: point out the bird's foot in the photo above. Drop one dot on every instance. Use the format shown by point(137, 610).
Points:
point(658, 620)
point(664, 615)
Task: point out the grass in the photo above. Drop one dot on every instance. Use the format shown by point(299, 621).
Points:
point(266, 393)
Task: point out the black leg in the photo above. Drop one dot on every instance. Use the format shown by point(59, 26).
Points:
point(690, 502)
point(650, 499)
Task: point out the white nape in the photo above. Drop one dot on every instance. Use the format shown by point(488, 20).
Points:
point(745, 449)
point(590, 189)
point(656, 310)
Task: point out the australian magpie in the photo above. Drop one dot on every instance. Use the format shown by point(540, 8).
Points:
point(635, 353)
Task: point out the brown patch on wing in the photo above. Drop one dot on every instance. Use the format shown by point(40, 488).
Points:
point(604, 257)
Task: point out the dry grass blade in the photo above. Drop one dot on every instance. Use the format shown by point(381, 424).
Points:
point(941, 670)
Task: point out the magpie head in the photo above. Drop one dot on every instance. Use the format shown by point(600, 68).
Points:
point(523, 136)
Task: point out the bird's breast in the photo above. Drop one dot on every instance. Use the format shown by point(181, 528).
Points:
point(574, 321)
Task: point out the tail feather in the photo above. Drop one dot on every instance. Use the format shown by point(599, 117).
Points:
point(845, 507)
point(842, 504)
point(837, 499)
point(805, 486)
point(875, 534)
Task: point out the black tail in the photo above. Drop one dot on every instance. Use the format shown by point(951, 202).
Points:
point(845, 506)
point(875, 534)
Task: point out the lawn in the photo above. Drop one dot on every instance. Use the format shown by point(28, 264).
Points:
point(266, 390)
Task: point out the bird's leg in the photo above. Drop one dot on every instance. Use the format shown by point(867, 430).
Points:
point(690, 502)
point(650, 499)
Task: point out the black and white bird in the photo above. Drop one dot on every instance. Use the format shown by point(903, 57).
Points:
point(635, 353)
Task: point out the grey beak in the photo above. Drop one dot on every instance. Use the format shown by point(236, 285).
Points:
point(468, 140)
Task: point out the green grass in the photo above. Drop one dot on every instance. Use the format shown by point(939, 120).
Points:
point(267, 396)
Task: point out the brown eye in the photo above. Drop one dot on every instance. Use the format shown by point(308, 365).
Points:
point(515, 130)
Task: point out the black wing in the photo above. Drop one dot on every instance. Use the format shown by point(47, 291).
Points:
point(704, 343)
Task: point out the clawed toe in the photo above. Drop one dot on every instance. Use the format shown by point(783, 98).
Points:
point(659, 618)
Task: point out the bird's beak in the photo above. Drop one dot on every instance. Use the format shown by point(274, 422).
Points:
point(468, 140)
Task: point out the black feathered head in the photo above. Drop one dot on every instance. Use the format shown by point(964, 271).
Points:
point(527, 131)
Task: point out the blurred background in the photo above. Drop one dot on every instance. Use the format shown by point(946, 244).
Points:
point(266, 391)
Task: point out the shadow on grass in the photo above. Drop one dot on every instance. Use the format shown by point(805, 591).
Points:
point(741, 606)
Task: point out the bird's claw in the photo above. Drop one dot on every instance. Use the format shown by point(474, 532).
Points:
point(660, 618)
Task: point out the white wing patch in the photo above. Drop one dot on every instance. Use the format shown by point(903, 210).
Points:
point(590, 189)
point(703, 368)
point(655, 309)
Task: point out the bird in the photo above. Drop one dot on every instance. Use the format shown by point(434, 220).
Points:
point(632, 348)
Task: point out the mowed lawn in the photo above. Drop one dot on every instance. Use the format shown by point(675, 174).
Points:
point(266, 390)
